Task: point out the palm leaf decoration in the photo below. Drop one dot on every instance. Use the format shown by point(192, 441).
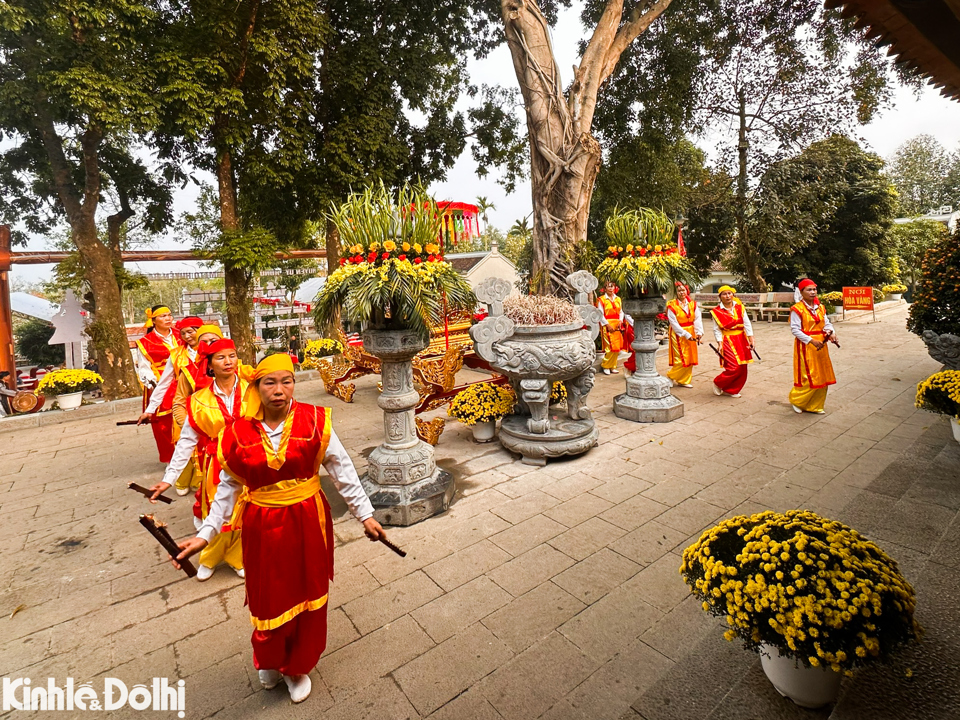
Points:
point(642, 256)
point(392, 275)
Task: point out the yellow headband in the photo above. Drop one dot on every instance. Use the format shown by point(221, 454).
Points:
point(151, 314)
point(270, 364)
point(727, 288)
point(212, 329)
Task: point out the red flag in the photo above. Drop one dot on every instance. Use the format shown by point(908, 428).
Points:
point(680, 245)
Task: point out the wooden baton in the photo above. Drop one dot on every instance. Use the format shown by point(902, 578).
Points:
point(159, 531)
point(393, 547)
point(146, 493)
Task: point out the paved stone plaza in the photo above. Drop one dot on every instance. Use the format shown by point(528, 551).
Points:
point(549, 592)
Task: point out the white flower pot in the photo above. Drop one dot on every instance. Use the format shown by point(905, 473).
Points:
point(70, 401)
point(955, 426)
point(896, 296)
point(484, 431)
point(809, 687)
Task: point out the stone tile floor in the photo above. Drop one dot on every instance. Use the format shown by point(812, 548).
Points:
point(549, 592)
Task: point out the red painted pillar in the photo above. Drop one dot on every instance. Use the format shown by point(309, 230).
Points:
point(7, 360)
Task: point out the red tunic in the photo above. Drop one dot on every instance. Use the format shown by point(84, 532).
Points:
point(735, 349)
point(157, 353)
point(288, 550)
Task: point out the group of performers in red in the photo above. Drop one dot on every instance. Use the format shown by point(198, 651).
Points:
point(733, 332)
point(254, 455)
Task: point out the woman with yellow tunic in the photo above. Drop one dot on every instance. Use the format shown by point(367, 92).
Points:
point(812, 369)
point(273, 454)
point(214, 406)
point(611, 332)
point(686, 329)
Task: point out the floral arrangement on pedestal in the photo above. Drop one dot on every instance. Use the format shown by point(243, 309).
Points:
point(813, 588)
point(940, 393)
point(894, 289)
point(316, 350)
point(64, 382)
point(642, 255)
point(392, 275)
point(482, 402)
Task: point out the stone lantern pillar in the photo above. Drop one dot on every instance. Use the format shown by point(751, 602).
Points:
point(648, 397)
point(402, 479)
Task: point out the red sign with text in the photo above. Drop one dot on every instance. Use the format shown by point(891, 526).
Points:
point(858, 298)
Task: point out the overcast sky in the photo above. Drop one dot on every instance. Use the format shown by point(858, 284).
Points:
point(911, 114)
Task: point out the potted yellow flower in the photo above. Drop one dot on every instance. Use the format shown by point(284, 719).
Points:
point(940, 393)
point(812, 596)
point(894, 291)
point(316, 350)
point(480, 405)
point(69, 386)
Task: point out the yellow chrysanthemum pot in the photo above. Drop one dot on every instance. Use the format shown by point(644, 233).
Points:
point(812, 596)
point(809, 687)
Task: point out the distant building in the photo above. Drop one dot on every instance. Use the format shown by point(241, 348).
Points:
point(944, 214)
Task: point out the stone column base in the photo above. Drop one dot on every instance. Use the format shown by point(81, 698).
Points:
point(406, 486)
point(565, 437)
point(647, 410)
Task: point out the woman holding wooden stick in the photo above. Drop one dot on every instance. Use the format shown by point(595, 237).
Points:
point(209, 410)
point(270, 487)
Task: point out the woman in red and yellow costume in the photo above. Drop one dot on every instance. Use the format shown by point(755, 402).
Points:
point(152, 353)
point(270, 489)
point(686, 329)
point(734, 332)
point(812, 369)
point(611, 330)
point(182, 360)
point(214, 406)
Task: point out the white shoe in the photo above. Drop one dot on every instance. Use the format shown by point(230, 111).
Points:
point(299, 687)
point(606, 371)
point(269, 678)
point(615, 371)
point(735, 395)
point(183, 491)
point(685, 384)
point(204, 573)
point(716, 390)
point(796, 409)
point(240, 572)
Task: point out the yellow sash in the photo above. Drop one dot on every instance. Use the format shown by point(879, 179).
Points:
point(731, 333)
point(280, 495)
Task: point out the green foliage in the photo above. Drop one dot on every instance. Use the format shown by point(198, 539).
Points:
point(81, 75)
point(518, 249)
point(825, 214)
point(646, 170)
point(379, 286)
point(919, 170)
point(936, 303)
point(912, 240)
point(31, 343)
point(642, 255)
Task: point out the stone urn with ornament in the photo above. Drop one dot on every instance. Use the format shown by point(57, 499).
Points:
point(536, 341)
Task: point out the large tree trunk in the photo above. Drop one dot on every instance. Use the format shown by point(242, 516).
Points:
point(236, 280)
point(107, 331)
point(333, 262)
point(564, 156)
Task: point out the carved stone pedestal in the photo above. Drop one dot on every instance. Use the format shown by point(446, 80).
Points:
point(648, 397)
point(535, 357)
point(402, 479)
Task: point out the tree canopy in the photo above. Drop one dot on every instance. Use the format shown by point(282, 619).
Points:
point(826, 214)
point(926, 176)
point(761, 79)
